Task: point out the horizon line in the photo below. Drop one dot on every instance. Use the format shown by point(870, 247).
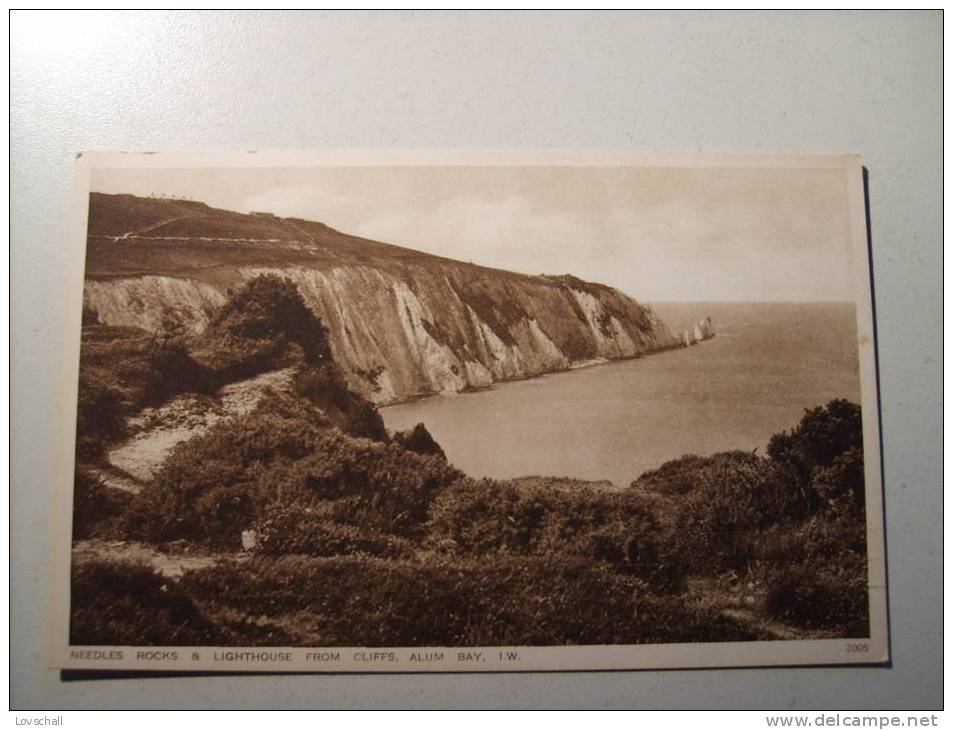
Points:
point(747, 301)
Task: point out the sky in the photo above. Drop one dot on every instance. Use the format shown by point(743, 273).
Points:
point(658, 234)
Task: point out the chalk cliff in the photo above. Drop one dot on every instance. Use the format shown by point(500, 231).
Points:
point(704, 330)
point(401, 322)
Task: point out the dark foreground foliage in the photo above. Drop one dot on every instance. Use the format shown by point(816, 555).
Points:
point(628, 532)
point(363, 542)
point(324, 387)
point(452, 602)
point(419, 440)
point(794, 520)
point(816, 574)
point(96, 508)
point(127, 603)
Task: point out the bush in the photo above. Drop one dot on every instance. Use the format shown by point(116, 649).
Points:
point(735, 496)
point(285, 529)
point(531, 561)
point(628, 531)
point(99, 418)
point(96, 507)
point(823, 434)
point(485, 516)
point(816, 573)
point(264, 325)
point(841, 485)
point(820, 540)
point(255, 329)
point(419, 440)
point(210, 486)
point(127, 603)
point(376, 486)
point(830, 597)
point(673, 477)
point(512, 600)
point(171, 371)
point(324, 386)
point(728, 502)
point(826, 453)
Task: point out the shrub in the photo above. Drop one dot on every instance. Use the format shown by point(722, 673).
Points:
point(816, 572)
point(378, 486)
point(96, 507)
point(826, 453)
point(628, 531)
point(285, 529)
point(209, 487)
point(324, 386)
point(484, 516)
point(512, 600)
point(841, 485)
point(419, 440)
point(255, 329)
point(264, 325)
point(824, 539)
point(172, 370)
point(99, 418)
point(127, 603)
point(830, 597)
point(822, 435)
point(735, 495)
point(673, 477)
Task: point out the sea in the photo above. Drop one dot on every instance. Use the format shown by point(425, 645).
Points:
point(766, 364)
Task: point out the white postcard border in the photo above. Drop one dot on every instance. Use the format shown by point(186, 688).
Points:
point(873, 650)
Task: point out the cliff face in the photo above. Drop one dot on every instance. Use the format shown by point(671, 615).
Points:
point(401, 323)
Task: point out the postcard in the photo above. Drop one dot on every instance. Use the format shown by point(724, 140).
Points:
point(468, 411)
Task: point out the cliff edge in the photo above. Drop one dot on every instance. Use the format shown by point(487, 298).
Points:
point(401, 323)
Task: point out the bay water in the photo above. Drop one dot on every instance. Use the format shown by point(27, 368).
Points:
point(765, 366)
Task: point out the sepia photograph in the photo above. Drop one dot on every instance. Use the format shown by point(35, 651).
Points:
point(471, 412)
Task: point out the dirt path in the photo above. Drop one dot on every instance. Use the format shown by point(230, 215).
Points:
point(774, 629)
point(159, 430)
point(744, 603)
point(169, 564)
point(116, 479)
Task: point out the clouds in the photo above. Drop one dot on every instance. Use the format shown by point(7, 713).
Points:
point(677, 234)
point(507, 232)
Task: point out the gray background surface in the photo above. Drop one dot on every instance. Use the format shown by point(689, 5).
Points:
point(860, 82)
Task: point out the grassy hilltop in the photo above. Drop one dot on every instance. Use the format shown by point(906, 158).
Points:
point(362, 537)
